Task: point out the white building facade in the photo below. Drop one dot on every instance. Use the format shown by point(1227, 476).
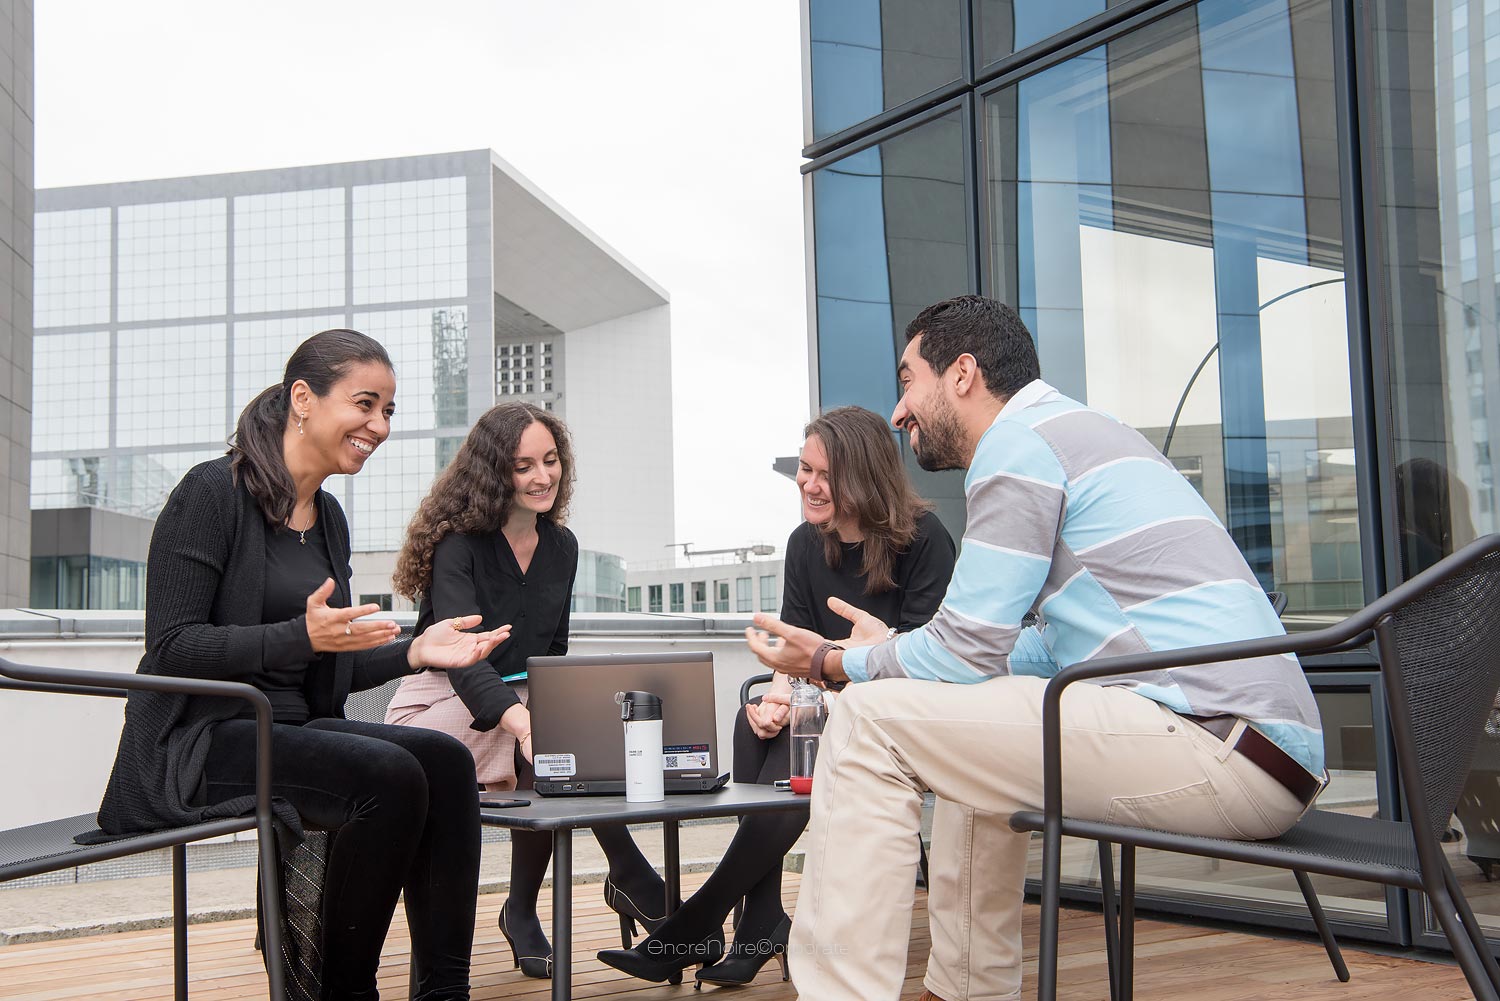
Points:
point(162, 307)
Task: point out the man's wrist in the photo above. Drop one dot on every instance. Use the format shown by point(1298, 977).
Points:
point(833, 667)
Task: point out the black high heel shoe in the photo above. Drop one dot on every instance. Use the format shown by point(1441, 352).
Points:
point(538, 967)
point(628, 905)
point(745, 959)
point(659, 962)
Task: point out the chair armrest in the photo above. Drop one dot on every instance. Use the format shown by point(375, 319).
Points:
point(751, 682)
point(66, 681)
point(1353, 631)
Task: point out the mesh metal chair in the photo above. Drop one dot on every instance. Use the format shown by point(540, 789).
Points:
point(48, 847)
point(1437, 638)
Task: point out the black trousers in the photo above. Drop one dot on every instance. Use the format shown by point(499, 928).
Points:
point(751, 866)
point(401, 804)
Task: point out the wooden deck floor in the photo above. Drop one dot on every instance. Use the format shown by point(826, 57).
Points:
point(1173, 963)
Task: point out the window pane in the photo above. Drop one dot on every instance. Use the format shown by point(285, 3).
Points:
point(1438, 195)
point(1165, 209)
point(289, 250)
point(891, 236)
point(742, 597)
point(173, 260)
point(1438, 202)
point(871, 55)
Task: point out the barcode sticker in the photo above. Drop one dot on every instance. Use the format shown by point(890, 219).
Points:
point(680, 757)
point(555, 766)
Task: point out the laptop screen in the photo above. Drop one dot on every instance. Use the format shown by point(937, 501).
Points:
point(576, 732)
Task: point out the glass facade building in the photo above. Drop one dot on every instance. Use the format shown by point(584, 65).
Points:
point(17, 253)
point(163, 307)
point(1266, 233)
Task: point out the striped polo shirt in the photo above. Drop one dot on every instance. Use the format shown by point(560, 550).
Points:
point(1077, 517)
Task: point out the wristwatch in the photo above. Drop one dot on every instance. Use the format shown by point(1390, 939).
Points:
point(815, 670)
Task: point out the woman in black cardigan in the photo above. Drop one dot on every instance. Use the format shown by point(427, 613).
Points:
point(489, 539)
point(248, 580)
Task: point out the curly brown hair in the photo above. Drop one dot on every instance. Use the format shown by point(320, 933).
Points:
point(475, 493)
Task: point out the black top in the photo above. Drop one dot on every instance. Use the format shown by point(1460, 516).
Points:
point(478, 574)
point(205, 606)
point(921, 574)
point(297, 563)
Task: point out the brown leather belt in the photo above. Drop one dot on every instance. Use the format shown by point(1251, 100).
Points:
point(1265, 755)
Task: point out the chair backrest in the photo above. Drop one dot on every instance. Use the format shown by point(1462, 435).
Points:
point(369, 706)
point(1448, 665)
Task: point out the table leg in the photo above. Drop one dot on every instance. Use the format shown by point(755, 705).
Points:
point(671, 862)
point(562, 914)
point(671, 875)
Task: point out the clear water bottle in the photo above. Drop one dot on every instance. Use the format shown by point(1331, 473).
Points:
point(808, 714)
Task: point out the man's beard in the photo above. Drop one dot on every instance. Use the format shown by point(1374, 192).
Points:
point(940, 441)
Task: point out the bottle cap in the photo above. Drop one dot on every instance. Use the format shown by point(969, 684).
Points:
point(637, 706)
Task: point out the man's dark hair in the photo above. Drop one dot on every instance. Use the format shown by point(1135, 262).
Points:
point(987, 329)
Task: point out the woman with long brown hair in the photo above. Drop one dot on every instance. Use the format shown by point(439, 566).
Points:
point(868, 538)
point(489, 540)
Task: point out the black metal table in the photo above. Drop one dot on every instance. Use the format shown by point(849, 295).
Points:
point(562, 816)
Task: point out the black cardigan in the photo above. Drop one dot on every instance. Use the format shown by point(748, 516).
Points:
point(205, 586)
point(478, 574)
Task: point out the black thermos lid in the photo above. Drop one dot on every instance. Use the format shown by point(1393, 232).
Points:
point(635, 706)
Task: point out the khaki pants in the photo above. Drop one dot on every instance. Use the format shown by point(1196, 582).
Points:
point(979, 749)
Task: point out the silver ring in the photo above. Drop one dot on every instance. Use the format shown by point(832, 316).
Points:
point(348, 629)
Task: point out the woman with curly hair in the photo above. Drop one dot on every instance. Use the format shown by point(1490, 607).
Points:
point(489, 540)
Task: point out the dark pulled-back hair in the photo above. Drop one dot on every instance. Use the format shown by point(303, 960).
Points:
point(477, 490)
point(987, 329)
point(320, 361)
point(870, 489)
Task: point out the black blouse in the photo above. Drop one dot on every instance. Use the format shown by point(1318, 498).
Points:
point(294, 569)
point(921, 574)
point(478, 574)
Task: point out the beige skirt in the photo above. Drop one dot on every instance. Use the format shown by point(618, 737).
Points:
point(428, 700)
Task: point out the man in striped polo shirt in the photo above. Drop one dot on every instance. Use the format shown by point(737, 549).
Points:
point(1078, 518)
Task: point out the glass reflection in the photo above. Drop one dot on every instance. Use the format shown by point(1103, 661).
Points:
point(868, 56)
point(1164, 210)
point(1437, 193)
point(891, 236)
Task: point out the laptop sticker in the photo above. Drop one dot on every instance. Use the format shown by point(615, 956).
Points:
point(555, 766)
point(684, 756)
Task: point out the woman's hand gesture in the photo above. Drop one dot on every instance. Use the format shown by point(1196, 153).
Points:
point(444, 644)
point(334, 630)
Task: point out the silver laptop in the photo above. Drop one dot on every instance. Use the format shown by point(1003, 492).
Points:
point(578, 741)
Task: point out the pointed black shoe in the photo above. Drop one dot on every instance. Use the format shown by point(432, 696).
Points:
point(658, 961)
point(745, 959)
point(648, 906)
point(538, 964)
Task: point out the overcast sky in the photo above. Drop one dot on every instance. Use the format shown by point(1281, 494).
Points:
point(671, 128)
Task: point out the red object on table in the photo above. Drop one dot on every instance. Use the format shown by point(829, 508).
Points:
point(802, 784)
